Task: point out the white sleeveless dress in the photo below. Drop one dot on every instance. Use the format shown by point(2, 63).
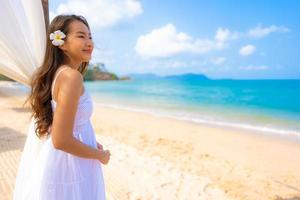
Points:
point(46, 173)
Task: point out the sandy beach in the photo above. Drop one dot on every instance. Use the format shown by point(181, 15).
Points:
point(162, 158)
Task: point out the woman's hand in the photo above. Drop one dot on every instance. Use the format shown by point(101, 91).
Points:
point(104, 155)
point(99, 146)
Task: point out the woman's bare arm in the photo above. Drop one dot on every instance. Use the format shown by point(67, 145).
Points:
point(69, 91)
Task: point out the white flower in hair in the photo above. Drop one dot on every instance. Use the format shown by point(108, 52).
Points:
point(57, 37)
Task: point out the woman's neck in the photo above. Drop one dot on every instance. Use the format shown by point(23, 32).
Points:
point(72, 63)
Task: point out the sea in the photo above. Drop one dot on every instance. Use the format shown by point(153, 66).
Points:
point(267, 106)
point(263, 106)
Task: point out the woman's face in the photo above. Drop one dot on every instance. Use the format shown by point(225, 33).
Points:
point(78, 44)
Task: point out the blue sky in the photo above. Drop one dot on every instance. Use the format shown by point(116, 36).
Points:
point(221, 39)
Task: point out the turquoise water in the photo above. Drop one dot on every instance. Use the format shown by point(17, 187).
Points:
point(265, 105)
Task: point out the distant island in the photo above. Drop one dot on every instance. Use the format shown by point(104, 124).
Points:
point(143, 76)
point(98, 72)
point(188, 76)
point(149, 76)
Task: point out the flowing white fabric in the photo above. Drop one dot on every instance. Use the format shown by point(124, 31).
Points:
point(22, 38)
point(22, 49)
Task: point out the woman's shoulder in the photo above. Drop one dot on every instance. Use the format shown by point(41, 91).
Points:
point(70, 78)
point(70, 74)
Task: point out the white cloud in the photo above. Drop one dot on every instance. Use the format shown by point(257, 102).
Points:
point(101, 13)
point(254, 68)
point(259, 31)
point(167, 41)
point(218, 60)
point(247, 50)
point(223, 35)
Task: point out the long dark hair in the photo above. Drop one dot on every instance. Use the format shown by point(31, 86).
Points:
point(41, 81)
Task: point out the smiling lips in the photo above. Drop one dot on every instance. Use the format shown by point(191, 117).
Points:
point(89, 51)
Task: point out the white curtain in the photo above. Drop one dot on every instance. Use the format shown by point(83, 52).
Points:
point(22, 48)
point(22, 38)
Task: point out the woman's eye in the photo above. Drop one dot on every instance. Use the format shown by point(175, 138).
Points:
point(81, 36)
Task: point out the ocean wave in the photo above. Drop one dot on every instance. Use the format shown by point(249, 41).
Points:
point(213, 122)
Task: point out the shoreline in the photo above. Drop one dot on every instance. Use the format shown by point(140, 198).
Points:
point(228, 125)
point(290, 135)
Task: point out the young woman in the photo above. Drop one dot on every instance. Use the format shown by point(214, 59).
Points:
point(68, 164)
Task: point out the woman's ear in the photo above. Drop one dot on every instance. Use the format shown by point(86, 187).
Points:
point(62, 47)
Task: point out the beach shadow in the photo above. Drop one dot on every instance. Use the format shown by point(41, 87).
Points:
point(290, 187)
point(291, 198)
point(11, 139)
point(297, 197)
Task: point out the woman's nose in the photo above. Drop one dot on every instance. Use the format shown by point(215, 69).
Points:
point(90, 43)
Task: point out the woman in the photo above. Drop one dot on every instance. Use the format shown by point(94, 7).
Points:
point(68, 164)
